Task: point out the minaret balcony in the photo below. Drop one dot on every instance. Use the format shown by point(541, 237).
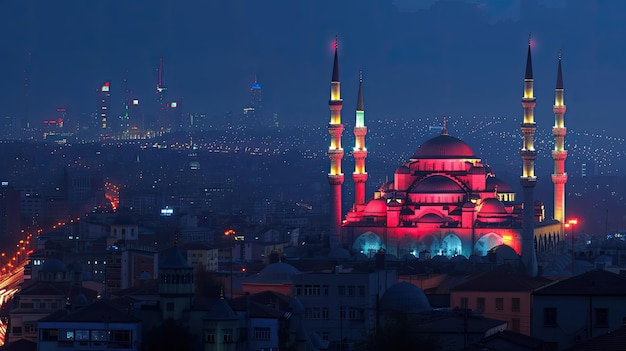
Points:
point(559, 131)
point(559, 178)
point(359, 154)
point(335, 128)
point(335, 154)
point(360, 131)
point(359, 177)
point(559, 109)
point(559, 155)
point(335, 179)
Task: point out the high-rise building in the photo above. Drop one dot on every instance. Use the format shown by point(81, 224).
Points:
point(104, 104)
point(253, 113)
point(9, 211)
point(161, 99)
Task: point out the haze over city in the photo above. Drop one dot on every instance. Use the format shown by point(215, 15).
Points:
point(420, 58)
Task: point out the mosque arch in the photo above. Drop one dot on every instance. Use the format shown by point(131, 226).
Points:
point(407, 244)
point(368, 243)
point(451, 246)
point(429, 244)
point(486, 243)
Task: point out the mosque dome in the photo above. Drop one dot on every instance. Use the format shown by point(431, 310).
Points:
point(403, 170)
point(504, 253)
point(437, 184)
point(406, 298)
point(443, 146)
point(376, 206)
point(492, 206)
point(277, 272)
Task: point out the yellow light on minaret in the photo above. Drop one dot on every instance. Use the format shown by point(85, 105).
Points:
point(335, 154)
point(528, 179)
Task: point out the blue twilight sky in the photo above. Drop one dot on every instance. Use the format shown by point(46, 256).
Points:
point(420, 57)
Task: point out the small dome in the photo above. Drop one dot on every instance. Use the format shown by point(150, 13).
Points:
point(504, 253)
point(492, 206)
point(437, 184)
point(278, 272)
point(406, 298)
point(376, 206)
point(402, 170)
point(53, 265)
point(443, 146)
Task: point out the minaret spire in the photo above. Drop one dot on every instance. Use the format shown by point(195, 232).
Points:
point(335, 153)
point(528, 178)
point(529, 61)
point(360, 151)
point(559, 154)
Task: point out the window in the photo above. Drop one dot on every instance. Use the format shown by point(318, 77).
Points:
point(16, 330)
point(262, 333)
point(464, 302)
point(602, 317)
point(82, 335)
point(99, 335)
point(228, 335)
point(315, 313)
point(66, 334)
point(499, 304)
point(361, 290)
point(341, 290)
point(49, 335)
point(351, 290)
point(515, 304)
point(121, 339)
point(209, 336)
point(549, 317)
point(515, 325)
point(480, 303)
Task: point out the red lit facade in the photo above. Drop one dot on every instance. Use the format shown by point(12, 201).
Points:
point(444, 201)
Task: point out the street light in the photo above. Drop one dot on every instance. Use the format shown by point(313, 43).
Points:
point(570, 224)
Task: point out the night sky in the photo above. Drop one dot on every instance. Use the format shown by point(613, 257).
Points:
point(420, 57)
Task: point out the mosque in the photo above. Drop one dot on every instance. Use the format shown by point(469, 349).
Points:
point(444, 201)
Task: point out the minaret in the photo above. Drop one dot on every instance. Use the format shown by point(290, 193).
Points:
point(360, 151)
point(335, 154)
point(559, 154)
point(528, 178)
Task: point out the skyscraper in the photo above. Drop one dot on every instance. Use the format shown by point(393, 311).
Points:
point(253, 113)
point(104, 101)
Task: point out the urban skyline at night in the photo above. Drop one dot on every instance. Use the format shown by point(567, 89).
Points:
point(466, 72)
point(312, 175)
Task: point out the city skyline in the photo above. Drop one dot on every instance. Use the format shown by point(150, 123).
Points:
point(438, 58)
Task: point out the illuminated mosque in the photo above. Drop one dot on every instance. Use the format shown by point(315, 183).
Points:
point(444, 201)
